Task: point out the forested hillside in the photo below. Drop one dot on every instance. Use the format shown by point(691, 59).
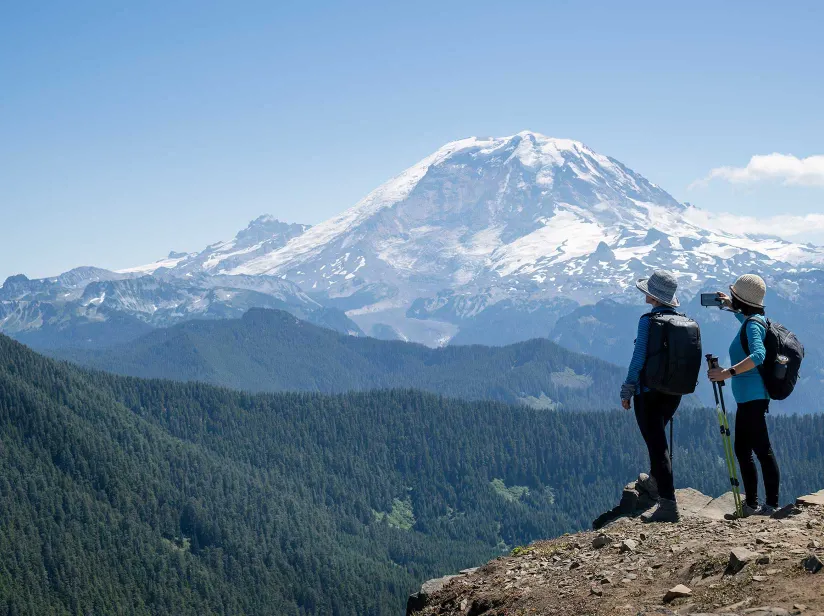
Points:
point(270, 350)
point(121, 495)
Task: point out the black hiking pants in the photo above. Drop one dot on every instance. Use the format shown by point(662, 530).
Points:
point(751, 436)
point(653, 411)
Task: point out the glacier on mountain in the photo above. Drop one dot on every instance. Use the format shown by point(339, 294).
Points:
point(488, 230)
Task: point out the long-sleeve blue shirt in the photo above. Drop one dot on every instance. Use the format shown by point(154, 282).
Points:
point(749, 385)
point(639, 355)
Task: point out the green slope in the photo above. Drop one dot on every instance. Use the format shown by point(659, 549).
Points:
point(270, 350)
point(125, 496)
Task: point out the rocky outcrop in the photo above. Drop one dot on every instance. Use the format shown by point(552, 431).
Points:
point(706, 565)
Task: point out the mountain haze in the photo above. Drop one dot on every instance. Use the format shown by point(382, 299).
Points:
point(274, 351)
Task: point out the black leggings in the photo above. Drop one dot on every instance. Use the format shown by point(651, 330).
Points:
point(751, 436)
point(653, 411)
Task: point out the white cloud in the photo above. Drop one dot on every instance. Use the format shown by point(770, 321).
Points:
point(786, 168)
point(808, 227)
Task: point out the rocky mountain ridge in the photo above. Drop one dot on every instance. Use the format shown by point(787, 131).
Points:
point(705, 565)
point(92, 308)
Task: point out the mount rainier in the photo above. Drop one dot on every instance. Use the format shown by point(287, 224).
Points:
point(524, 220)
point(487, 240)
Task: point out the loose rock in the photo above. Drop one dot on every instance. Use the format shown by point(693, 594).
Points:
point(813, 563)
point(739, 558)
point(677, 592)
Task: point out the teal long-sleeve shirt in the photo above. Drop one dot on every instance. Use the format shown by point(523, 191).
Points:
point(749, 386)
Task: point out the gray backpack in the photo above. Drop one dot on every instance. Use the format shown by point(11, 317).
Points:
point(673, 353)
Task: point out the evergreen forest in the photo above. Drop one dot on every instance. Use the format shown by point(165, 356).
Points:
point(120, 495)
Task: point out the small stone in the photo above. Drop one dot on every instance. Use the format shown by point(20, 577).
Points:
point(601, 541)
point(739, 557)
point(626, 581)
point(814, 544)
point(759, 578)
point(764, 559)
point(596, 591)
point(677, 592)
point(799, 606)
point(809, 525)
point(812, 563)
point(773, 571)
point(628, 545)
point(574, 564)
point(606, 580)
point(657, 565)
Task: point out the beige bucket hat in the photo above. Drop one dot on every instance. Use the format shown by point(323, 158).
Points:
point(750, 289)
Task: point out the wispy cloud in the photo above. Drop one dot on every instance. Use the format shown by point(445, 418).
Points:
point(783, 225)
point(785, 168)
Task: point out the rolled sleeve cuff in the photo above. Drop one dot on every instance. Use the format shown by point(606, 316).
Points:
point(757, 358)
point(628, 391)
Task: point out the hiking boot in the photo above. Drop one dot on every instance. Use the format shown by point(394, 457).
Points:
point(747, 511)
point(646, 483)
point(666, 511)
point(766, 510)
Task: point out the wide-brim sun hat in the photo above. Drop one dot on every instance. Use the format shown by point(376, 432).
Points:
point(661, 286)
point(750, 289)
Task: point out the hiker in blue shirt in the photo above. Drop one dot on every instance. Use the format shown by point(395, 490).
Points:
point(653, 409)
point(751, 434)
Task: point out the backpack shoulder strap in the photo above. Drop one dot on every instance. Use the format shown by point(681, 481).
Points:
point(745, 344)
point(662, 313)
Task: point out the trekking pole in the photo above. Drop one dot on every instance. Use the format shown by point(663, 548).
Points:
point(723, 422)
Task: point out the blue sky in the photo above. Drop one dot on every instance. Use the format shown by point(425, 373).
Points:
point(131, 129)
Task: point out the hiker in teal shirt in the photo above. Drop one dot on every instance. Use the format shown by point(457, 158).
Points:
point(751, 434)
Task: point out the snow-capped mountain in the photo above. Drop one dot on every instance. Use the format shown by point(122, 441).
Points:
point(488, 240)
point(90, 307)
point(264, 235)
point(525, 220)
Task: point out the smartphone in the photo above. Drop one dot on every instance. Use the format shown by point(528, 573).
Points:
point(710, 299)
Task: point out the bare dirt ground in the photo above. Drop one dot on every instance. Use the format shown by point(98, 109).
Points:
point(758, 566)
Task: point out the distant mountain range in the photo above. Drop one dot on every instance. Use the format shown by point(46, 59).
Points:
point(93, 308)
point(487, 240)
point(270, 350)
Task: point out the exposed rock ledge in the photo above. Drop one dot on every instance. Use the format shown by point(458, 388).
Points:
point(704, 565)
